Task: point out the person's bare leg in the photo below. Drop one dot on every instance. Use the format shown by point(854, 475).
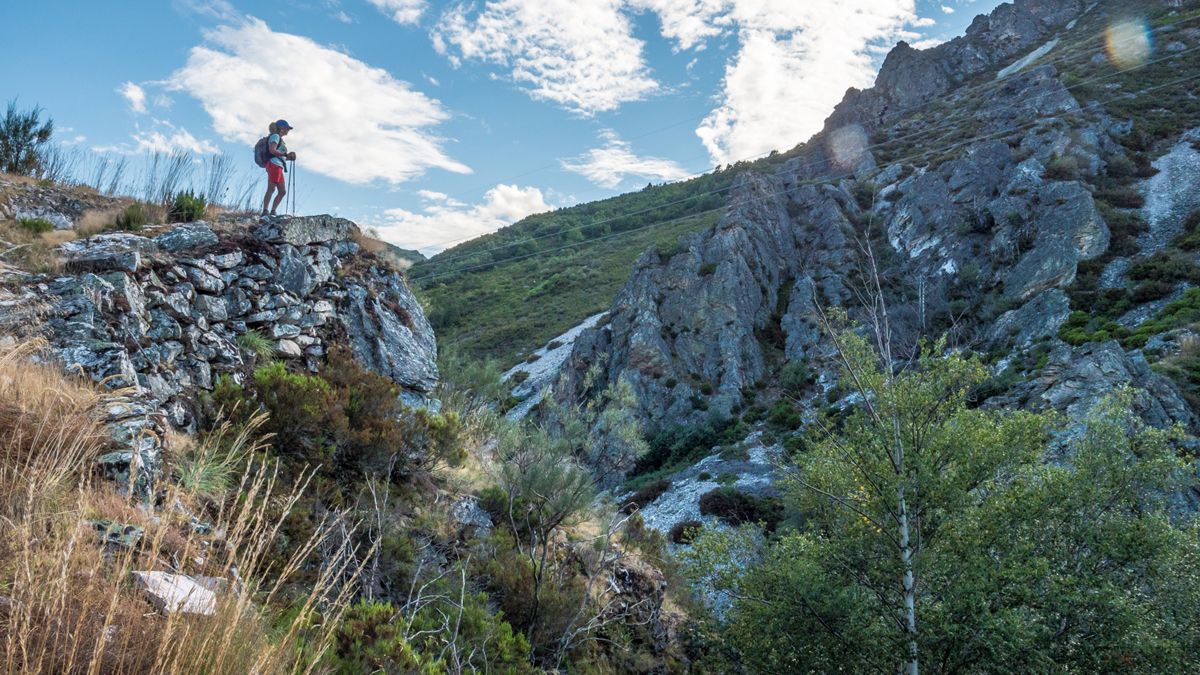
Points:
point(278, 197)
point(267, 197)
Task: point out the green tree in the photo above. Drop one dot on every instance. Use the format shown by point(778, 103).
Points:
point(21, 136)
point(1011, 563)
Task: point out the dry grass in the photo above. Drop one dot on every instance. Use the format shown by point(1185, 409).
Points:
point(68, 604)
point(368, 240)
point(30, 251)
point(94, 221)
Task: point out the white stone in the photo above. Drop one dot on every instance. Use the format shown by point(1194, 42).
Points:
point(176, 593)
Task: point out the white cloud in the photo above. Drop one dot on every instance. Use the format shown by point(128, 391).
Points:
point(354, 122)
point(611, 164)
point(135, 95)
point(794, 64)
point(579, 54)
point(162, 137)
point(444, 221)
point(342, 17)
point(947, 9)
point(217, 9)
point(688, 22)
point(401, 11)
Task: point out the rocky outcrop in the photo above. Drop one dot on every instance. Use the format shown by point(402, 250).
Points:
point(161, 317)
point(1074, 379)
point(911, 77)
point(979, 243)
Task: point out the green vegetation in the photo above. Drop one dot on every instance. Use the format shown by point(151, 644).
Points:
point(514, 306)
point(736, 508)
point(22, 137)
point(187, 207)
point(35, 225)
point(132, 219)
point(1020, 565)
point(256, 343)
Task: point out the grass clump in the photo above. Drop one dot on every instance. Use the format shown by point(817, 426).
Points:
point(132, 219)
point(35, 225)
point(256, 343)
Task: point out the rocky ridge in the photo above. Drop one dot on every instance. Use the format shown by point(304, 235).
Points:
point(981, 244)
point(158, 318)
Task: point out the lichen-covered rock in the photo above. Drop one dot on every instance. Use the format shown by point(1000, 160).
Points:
point(1039, 318)
point(162, 317)
point(307, 230)
point(176, 593)
point(387, 331)
point(187, 237)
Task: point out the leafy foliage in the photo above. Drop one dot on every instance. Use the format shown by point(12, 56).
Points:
point(22, 135)
point(1019, 565)
point(187, 207)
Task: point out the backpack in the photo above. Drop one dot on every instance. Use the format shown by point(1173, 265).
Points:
point(260, 152)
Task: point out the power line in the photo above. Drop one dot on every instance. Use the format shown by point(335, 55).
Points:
point(561, 231)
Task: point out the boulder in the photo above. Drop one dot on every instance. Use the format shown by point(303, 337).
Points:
point(187, 237)
point(176, 593)
point(307, 230)
point(387, 331)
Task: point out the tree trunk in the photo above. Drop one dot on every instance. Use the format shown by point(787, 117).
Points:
point(910, 595)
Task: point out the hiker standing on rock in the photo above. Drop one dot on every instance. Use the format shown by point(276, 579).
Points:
point(276, 164)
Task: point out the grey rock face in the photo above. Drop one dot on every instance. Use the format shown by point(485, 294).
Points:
point(1075, 379)
point(909, 77)
point(388, 332)
point(187, 237)
point(161, 317)
point(1039, 318)
point(308, 230)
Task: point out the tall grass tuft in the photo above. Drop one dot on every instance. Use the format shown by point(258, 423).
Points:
point(69, 603)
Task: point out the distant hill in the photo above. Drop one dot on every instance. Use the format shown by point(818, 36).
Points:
point(505, 294)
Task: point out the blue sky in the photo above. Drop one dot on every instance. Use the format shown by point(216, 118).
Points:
point(439, 121)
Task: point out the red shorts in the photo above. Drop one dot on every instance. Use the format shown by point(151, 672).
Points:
point(274, 173)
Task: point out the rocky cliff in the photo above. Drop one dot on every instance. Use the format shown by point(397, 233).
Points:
point(990, 215)
point(161, 315)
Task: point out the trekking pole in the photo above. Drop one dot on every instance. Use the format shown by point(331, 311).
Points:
point(293, 187)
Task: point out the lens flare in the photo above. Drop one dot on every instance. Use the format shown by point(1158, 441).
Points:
point(848, 146)
point(1128, 43)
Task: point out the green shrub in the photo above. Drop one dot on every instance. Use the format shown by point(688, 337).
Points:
point(370, 638)
point(132, 219)
point(1190, 239)
point(795, 377)
point(186, 208)
point(1062, 167)
point(680, 444)
point(785, 416)
point(735, 507)
point(1153, 289)
point(707, 269)
point(685, 531)
point(35, 225)
point(306, 417)
point(1122, 197)
point(643, 497)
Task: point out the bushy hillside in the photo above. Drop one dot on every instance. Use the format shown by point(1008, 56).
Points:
point(507, 293)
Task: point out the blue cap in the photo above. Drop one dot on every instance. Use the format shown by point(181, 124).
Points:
point(282, 124)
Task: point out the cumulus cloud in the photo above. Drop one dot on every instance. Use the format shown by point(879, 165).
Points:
point(135, 95)
point(354, 122)
point(443, 221)
point(947, 9)
point(401, 11)
point(611, 164)
point(794, 63)
point(578, 54)
point(162, 137)
point(689, 23)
